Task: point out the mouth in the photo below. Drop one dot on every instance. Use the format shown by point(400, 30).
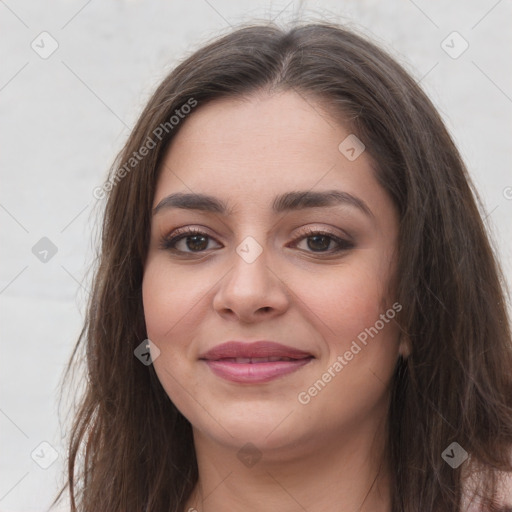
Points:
point(255, 362)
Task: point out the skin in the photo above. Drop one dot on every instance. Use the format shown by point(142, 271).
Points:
point(323, 455)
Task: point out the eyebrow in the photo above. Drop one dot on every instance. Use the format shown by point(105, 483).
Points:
point(289, 201)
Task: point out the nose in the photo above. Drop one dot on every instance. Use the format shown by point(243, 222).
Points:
point(251, 291)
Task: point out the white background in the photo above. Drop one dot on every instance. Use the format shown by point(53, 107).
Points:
point(64, 118)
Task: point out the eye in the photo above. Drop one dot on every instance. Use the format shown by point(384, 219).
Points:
point(318, 241)
point(193, 239)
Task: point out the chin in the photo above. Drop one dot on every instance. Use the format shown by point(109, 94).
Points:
point(264, 429)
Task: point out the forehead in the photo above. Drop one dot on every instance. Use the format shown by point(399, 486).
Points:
point(243, 127)
point(249, 150)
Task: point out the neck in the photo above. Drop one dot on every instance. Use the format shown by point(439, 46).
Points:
point(348, 473)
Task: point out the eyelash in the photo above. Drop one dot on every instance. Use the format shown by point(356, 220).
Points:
point(169, 242)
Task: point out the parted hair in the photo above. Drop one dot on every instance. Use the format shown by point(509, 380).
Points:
point(130, 449)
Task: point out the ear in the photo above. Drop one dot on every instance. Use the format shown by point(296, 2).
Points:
point(404, 346)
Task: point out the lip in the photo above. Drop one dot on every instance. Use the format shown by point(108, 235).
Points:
point(264, 348)
point(234, 360)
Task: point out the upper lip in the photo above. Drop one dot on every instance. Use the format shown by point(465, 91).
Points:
point(236, 349)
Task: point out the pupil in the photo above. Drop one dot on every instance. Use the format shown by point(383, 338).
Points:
point(321, 247)
point(195, 245)
point(316, 242)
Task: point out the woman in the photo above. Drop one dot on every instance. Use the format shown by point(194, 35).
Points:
point(296, 305)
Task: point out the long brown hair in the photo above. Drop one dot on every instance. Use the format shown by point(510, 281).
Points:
point(131, 449)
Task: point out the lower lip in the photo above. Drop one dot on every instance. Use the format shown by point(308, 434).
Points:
point(255, 372)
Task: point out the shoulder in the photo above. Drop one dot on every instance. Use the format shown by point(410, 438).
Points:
point(503, 493)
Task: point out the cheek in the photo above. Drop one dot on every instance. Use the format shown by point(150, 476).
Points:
point(360, 346)
point(354, 315)
point(345, 300)
point(169, 299)
point(169, 296)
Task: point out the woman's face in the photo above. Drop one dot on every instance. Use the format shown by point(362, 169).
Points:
point(281, 263)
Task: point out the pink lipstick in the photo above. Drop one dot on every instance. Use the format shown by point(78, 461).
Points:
point(260, 361)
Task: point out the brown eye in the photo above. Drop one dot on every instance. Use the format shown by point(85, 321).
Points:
point(194, 241)
point(320, 242)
